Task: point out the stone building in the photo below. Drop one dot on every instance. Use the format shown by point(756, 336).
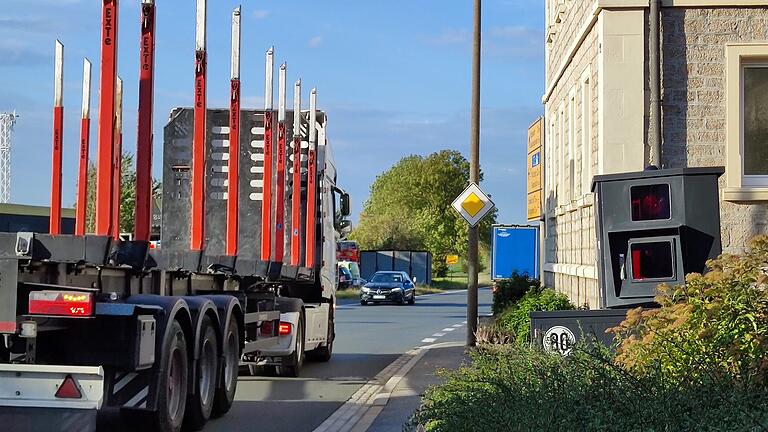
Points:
point(714, 112)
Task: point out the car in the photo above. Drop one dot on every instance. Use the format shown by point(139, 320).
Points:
point(345, 278)
point(389, 286)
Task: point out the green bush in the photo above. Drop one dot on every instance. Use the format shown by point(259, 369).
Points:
point(516, 317)
point(715, 326)
point(507, 292)
point(515, 388)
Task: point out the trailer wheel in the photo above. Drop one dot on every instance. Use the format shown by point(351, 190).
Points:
point(225, 392)
point(296, 360)
point(200, 404)
point(172, 386)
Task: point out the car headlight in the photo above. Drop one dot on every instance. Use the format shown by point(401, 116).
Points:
point(364, 289)
point(397, 289)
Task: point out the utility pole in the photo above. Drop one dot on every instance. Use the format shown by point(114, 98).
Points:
point(474, 177)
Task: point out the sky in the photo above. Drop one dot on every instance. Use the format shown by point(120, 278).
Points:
point(394, 78)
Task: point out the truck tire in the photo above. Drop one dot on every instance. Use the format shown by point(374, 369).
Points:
point(173, 382)
point(323, 353)
point(225, 391)
point(291, 366)
point(200, 403)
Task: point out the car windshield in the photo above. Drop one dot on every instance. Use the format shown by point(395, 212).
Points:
point(387, 278)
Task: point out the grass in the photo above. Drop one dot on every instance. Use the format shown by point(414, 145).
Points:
point(457, 282)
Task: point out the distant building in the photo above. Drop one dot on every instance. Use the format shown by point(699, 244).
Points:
point(714, 79)
point(29, 218)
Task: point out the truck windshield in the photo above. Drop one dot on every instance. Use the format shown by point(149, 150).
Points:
point(387, 278)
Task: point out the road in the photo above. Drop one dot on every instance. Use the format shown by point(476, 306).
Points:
point(368, 339)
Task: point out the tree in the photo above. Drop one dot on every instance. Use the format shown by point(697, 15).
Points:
point(127, 195)
point(409, 207)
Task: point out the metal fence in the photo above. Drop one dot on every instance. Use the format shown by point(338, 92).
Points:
point(418, 264)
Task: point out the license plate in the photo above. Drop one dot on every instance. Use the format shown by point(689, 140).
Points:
point(379, 297)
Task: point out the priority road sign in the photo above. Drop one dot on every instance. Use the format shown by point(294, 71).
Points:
point(473, 204)
point(452, 259)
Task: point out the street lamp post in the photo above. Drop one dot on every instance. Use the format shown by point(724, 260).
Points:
point(474, 177)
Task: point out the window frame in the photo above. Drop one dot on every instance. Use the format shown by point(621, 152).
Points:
point(586, 132)
point(740, 187)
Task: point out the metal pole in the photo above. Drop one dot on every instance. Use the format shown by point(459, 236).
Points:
point(143, 210)
point(58, 137)
point(197, 230)
point(474, 177)
point(266, 200)
point(85, 136)
point(233, 178)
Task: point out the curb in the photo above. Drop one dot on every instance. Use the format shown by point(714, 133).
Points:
point(362, 408)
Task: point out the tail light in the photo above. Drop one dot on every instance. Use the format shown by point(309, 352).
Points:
point(61, 303)
point(68, 389)
point(285, 328)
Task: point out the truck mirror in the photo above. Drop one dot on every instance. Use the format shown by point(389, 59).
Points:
point(345, 210)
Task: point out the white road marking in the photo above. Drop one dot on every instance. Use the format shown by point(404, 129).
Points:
point(428, 340)
point(438, 334)
point(448, 329)
point(456, 325)
point(463, 322)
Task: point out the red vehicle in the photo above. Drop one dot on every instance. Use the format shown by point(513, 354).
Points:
point(347, 251)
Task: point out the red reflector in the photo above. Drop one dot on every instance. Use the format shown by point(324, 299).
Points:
point(266, 328)
point(285, 329)
point(68, 389)
point(61, 303)
point(8, 326)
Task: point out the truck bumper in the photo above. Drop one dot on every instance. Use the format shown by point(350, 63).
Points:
point(28, 397)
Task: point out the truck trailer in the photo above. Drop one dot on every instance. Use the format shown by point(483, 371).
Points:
point(251, 213)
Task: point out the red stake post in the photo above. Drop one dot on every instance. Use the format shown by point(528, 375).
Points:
point(280, 180)
point(106, 144)
point(296, 194)
point(234, 139)
point(197, 231)
point(58, 133)
point(117, 164)
point(311, 215)
point(143, 212)
point(85, 137)
point(266, 202)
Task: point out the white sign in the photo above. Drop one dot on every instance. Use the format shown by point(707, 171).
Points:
point(559, 339)
point(473, 204)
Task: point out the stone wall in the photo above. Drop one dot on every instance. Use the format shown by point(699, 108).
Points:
point(570, 240)
point(694, 100)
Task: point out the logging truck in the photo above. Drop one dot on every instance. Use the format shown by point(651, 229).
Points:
point(245, 275)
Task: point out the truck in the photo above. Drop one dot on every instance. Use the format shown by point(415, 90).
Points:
point(251, 213)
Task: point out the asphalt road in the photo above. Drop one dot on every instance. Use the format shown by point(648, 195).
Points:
point(368, 339)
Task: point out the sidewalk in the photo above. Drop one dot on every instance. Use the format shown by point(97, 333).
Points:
point(386, 403)
point(406, 397)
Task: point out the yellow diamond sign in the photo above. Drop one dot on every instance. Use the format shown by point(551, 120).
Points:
point(473, 204)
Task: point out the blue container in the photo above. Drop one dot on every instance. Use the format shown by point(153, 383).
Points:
point(514, 248)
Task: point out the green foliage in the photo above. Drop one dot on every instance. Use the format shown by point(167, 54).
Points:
point(509, 291)
point(514, 388)
point(715, 326)
point(409, 207)
point(127, 195)
point(516, 317)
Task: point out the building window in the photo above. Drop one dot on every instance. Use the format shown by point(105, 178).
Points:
point(571, 145)
point(559, 181)
point(586, 136)
point(746, 132)
point(755, 121)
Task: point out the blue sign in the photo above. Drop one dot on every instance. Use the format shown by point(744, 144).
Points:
point(514, 249)
point(536, 159)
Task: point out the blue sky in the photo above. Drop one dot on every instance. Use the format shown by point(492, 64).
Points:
point(393, 76)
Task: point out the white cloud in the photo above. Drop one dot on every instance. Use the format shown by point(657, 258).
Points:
point(315, 42)
point(260, 13)
point(451, 37)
